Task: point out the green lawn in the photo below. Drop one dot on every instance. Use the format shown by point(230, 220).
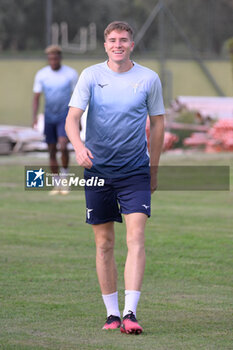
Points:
point(49, 295)
point(17, 79)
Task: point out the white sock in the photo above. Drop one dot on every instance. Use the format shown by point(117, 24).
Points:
point(131, 301)
point(64, 171)
point(111, 304)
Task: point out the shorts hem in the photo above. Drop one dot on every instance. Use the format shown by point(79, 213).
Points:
point(135, 211)
point(97, 222)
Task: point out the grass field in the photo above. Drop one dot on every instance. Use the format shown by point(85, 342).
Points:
point(17, 79)
point(49, 295)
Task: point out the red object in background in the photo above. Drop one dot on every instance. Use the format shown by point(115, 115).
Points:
point(169, 141)
point(218, 139)
point(169, 138)
point(221, 136)
point(196, 139)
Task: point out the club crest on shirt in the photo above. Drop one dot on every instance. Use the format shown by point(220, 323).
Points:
point(135, 87)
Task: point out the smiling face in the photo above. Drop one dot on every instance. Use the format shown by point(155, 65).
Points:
point(119, 45)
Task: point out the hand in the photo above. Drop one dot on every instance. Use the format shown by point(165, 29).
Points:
point(153, 178)
point(34, 123)
point(83, 158)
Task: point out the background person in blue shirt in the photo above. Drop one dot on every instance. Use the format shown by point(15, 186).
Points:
point(120, 94)
point(56, 82)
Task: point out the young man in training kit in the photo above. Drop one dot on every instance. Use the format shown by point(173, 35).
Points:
point(56, 82)
point(120, 94)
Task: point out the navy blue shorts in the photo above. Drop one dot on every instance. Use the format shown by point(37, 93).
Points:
point(54, 130)
point(118, 196)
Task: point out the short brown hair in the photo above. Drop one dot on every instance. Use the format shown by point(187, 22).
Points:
point(118, 25)
point(53, 49)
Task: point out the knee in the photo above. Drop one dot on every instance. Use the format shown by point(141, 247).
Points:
point(135, 240)
point(104, 245)
point(62, 144)
point(52, 152)
point(63, 147)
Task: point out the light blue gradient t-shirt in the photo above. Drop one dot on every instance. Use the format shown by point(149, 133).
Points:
point(57, 86)
point(118, 107)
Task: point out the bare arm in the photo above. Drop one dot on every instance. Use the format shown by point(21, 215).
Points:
point(83, 154)
point(156, 145)
point(35, 107)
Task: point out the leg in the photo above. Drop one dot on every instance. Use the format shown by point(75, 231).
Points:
point(51, 139)
point(63, 141)
point(107, 272)
point(135, 262)
point(134, 270)
point(101, 212)
point(105, 262)
point(52, 148)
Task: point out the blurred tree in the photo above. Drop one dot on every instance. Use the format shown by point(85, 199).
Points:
point(207, 23)
point(21, 24)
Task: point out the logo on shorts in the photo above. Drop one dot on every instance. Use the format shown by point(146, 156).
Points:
point(35, 178)
point(145, 206)
point(88, 213)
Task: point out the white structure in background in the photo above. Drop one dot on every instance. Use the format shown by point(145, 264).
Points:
point(84, 40)
point(206, 107)
point(15, 138)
